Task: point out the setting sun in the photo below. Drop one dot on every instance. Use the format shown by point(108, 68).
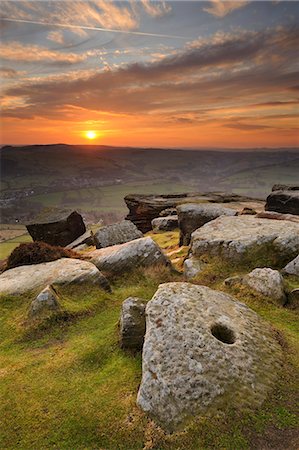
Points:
point(90, 134)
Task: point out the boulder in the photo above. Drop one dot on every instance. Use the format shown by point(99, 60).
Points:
point(286, 202)
point(247, 237)
point(192, 267)
point(167, 223)
point(85, 239)
point(118, 259)
point(193, 215)
point(267, 282)
point(144, 208)
point(60, 272)
point(132, 324)
point(117, 233)
point(59, 230)
point(293, 299)
point(168, 212)
point(45, 303)
point(285, 187)
point(277, 216)
point(292, 267)
point(203, 351)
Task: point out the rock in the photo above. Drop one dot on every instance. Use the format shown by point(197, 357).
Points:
point(193, 215)
point(247, 211)
point(232, 281)
point(293, 299)
point(167, 223)
point(118, 259)
point(267, 282)
point(132, 324)
point(285, 187)
point(292, 267)
point(203, 351)
point(144, 208)
point(60, 272)
point(117, 233)
point(59, 230)
point(286, 202)
point(45, 303)
point(277, 216)
point(247, 237)
point(192, 267)
point(168, 212)
point(86, 239)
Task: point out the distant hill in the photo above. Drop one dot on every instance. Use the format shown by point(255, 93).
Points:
point(95, 178)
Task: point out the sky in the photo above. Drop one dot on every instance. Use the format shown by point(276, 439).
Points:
point(178, 74)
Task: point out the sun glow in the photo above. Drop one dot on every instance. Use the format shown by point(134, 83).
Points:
point(90, 134)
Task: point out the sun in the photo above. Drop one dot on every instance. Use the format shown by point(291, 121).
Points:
point(90, 134)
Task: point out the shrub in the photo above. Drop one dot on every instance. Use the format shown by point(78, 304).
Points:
point(37, 252)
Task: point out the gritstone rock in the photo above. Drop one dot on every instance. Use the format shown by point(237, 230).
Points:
point(62, 271)
point(202, 351)
point(117, 233)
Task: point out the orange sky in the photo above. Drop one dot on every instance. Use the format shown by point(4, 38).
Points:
point(202, 74)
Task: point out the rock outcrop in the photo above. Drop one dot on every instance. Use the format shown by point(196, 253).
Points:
point(265, 281)
point(59, 230)
point(118, 259)
point(285, 187)
point(194, 215)
point(144, 208)
point(286, 202)
point(292, 267)
point(241, 237)
point(202, 351)
point(117, 233)
point(132, 324)
point(60, 272)
point(166, 223)
point(46, 303)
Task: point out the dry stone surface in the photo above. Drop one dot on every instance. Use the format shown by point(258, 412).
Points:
point(232, 238)
point(292, 267)
point(123, 258)
point(117, 233)
point(166, 223)
point(62, 271)
point(132, 323)
point(203, 350)
point(45, 303)
point(267, 282)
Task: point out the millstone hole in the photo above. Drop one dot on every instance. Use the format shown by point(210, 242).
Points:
point(223, 333)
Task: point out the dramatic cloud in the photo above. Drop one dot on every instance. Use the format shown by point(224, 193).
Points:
point(221, 8)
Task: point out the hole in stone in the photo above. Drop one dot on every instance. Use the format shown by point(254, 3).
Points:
point(223, 333)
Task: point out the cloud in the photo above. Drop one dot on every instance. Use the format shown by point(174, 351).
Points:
point(200, 83)
point(7, 72)
point(157, 8)
point(14, 51)
point(56, 36)
point(220, 8)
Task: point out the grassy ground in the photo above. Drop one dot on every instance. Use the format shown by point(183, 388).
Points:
point(66, 384)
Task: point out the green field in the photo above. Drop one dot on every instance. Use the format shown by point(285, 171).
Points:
point(66, 384)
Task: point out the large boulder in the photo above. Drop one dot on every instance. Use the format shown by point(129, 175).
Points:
point(118, 259)
point(193, 215)
point(286, 202)
point(167, 223)
point(60, 272)
point(203, 351)
point(247, 237)
point(144, 208)
point(46, 303)
point(285, 187)
point(292, 268)
point(117, 233)
point(267, 282)
point(132, 324)
point(59, 229)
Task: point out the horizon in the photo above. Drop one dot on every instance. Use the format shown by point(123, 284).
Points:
point(212, 75)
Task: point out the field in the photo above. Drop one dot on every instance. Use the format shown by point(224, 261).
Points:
point(66, 384)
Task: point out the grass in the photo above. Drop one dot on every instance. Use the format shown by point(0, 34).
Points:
point(66, 384)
